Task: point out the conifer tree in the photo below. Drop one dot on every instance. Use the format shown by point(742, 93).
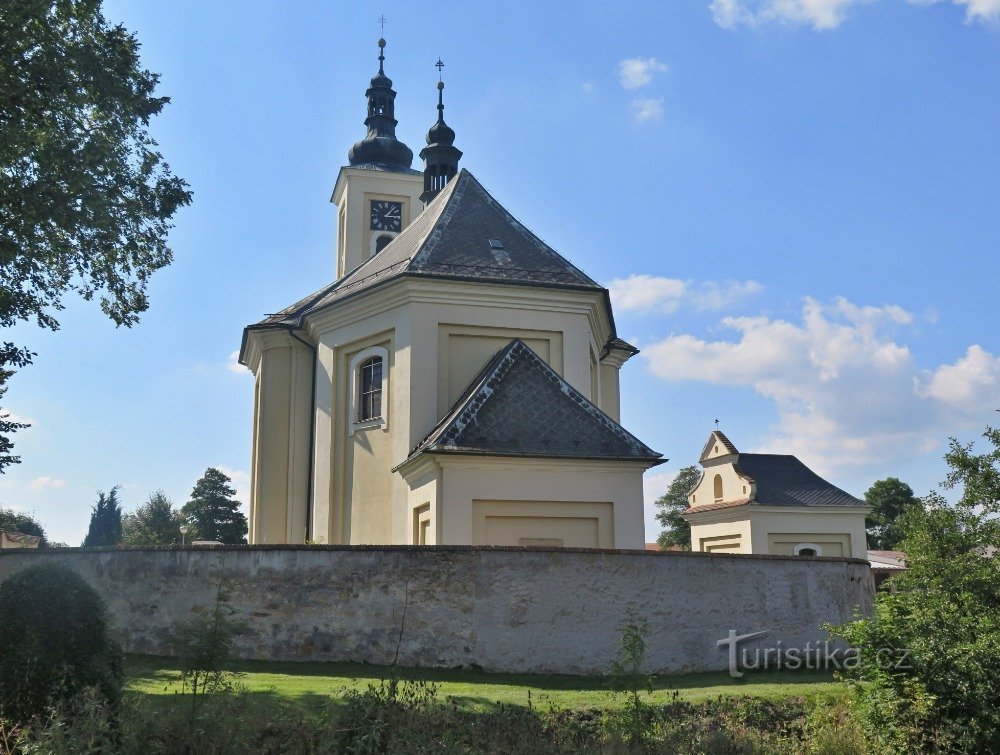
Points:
point(105, 520)
point(214, 511)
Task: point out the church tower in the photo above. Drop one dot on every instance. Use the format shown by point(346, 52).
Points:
point(377, 193)
point(440, 156)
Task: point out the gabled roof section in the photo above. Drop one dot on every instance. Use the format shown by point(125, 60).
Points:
point(783, 480)
point(464, 234)
point(719, 437)
point(519, 406)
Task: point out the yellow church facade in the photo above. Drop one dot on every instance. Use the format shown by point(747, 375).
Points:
point(457, 383)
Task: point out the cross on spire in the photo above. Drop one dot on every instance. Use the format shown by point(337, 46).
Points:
point(439, 65)
point(381, 21)
point(716, 424)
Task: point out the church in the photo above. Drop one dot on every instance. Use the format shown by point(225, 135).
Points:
point(457, 383)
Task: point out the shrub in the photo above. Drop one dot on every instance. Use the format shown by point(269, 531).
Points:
point(928, 667)
point(56, 642)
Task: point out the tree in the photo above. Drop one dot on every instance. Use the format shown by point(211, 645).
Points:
point(213, 510)
point(891, 500)
point(105, 521)
point(85, 198)
point(57, 642)
point(928, 670)
point(676, 530)
point(156, 522)
point(15, 521)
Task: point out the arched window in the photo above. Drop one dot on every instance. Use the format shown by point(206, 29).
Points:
point(370, 389)
point(382, 242)
point(807, 549)
point(369, 392)
point(718, 487)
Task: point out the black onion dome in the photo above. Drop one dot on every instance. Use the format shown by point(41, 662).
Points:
point(380, 146)
point(441, 133)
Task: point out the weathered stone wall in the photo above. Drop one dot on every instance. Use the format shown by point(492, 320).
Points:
point(498, 609)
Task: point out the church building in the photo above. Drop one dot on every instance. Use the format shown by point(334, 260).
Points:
point(457, 383)
point(772, 504)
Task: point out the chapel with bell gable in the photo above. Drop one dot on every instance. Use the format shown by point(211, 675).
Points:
point(457, 383)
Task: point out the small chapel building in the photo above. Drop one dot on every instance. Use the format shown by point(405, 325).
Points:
point(773, 504)
point(457, 383)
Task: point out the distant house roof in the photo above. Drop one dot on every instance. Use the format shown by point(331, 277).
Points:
point(9, 539)
point(464, 234)
point(519, 406)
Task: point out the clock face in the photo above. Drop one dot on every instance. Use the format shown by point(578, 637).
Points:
point(387, 216)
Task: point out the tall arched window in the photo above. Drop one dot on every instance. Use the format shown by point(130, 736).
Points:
point(717, 484)
point(370, 389)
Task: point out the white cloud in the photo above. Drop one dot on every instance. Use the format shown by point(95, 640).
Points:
point(984, 11)
point(233, 364)
point(45, 483)
point(969, 384)
point(15, 417)
point(651, 293)
point(647, 109)
point(847, 394)
point(825, 14)
point(819, 14)
point(635, 73)
point(588, 87)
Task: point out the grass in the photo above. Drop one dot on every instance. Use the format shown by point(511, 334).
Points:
point(159, 678)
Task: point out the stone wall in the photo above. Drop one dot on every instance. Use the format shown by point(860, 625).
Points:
point(498, 609)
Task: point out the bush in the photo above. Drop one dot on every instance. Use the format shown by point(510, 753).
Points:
point(927, 677)
point(56, 642)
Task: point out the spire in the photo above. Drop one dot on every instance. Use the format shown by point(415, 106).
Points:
point(380, 146)
point(440, 156)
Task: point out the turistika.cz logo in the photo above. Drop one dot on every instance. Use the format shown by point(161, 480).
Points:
point(813, 656)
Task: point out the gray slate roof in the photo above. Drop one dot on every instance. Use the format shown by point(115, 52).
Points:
point(783, 480)
point(519, 406)
point(451, 238)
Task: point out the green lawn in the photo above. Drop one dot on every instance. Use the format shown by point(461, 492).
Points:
point(159, 678)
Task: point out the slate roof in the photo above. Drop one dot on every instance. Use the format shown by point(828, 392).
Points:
point(783, 480)
point(519, 406)
point(454, 237)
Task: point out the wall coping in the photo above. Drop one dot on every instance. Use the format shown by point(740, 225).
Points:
point(425, 548)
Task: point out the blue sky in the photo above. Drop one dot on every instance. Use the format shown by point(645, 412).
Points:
point(794, 202)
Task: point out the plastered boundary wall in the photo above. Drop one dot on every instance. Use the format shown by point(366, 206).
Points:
point(500, 609)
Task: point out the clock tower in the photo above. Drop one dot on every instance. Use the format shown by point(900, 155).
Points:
point(377, 193)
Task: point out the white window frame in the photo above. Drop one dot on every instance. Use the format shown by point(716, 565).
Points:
point(354, 368)
point(797, 550)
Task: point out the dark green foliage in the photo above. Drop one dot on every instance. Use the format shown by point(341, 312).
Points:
point(891, 500)
point(55, 641)
point(941, 619)
point(85, 198)
point(214, 511)
point(676, 530)
point(105, 521)
point(15, 521)
point(9, 355)
point(156, 522)
point(417, 720)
